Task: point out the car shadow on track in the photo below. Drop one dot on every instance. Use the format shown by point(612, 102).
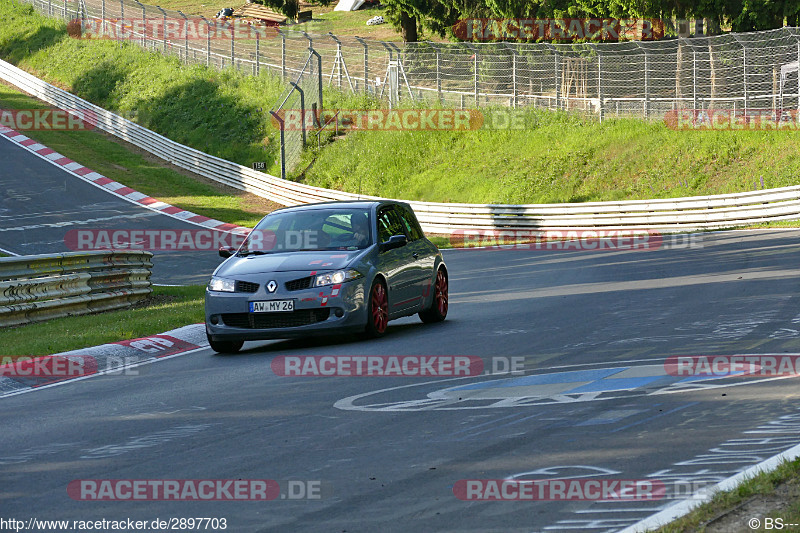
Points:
point(394, 333)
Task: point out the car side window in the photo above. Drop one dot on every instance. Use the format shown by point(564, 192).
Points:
point(388, 224)
point(410, 223)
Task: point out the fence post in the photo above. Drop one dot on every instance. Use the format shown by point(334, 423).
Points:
point(477, 97)
point(185, 37)
point(302, 109)
point(144, 24)
point(599, 82)
point(50, 7)
point(646, 107)
point(319, 76)
point(388, 69)
point(164, 28)
point(258, 52)
point(283, 144)
point(366, 64)
point(513, 74)
point(283, 55)
point(694, 80)
point(439, 73)
point(339, 59)
point(121, 20)
point(103, 17)
point(744, 70)
point(798, 77)
point(475, 74)
point(233, 39)
point(556, 75)
point(208, 40)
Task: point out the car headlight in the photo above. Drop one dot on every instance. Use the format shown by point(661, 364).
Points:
point(334, 278)
point(221, 284)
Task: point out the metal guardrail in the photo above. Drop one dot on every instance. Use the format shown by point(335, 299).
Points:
point(41, 287)
point(675, 214)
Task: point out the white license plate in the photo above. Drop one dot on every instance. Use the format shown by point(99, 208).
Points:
point(272, 306)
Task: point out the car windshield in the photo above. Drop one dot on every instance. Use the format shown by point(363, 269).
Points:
point(310, 230)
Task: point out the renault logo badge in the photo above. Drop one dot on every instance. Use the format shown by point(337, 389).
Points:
point(272, 286)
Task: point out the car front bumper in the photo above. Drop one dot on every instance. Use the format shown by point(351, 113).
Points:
point(327, 310)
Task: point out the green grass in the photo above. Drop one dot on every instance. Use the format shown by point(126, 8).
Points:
point(558, 157)
point(760, 485)
point(224, 113)
point(106, 156)
point(171, 307)
point(350, 23)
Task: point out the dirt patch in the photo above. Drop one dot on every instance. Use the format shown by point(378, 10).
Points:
point(735, 520)
point(155, 299)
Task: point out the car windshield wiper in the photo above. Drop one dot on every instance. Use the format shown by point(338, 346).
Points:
point(253, 252)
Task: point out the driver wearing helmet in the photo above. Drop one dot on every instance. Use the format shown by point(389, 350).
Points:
point(360, 229)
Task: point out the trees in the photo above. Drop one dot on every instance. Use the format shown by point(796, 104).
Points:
point(438, 16)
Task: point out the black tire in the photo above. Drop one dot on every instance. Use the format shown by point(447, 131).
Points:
point(225, 346)
point(437, 312)
point(377, 321)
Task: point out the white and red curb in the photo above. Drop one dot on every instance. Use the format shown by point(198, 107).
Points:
point(114, 187)
point(120, 359)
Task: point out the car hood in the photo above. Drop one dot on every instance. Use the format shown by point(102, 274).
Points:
point(288, 262)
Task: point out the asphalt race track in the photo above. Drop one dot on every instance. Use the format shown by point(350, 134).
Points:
point(40, 203)
point(591, 331)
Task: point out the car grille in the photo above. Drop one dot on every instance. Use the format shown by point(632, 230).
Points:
point(246, 286)
point(299, 284)
point(302, 317)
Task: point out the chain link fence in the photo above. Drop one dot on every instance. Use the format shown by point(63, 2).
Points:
point(297, 111)
point(746, 71)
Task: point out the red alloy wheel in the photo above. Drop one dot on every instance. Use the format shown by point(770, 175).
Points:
point(380, 308)
point(440, 293)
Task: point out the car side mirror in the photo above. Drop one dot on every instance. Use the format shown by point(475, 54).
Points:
point(395, 241)
point(226, 251)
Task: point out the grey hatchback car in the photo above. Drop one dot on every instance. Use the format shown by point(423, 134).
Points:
point(327, 268)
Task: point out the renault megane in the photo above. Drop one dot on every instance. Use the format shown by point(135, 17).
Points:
point(326, 268)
